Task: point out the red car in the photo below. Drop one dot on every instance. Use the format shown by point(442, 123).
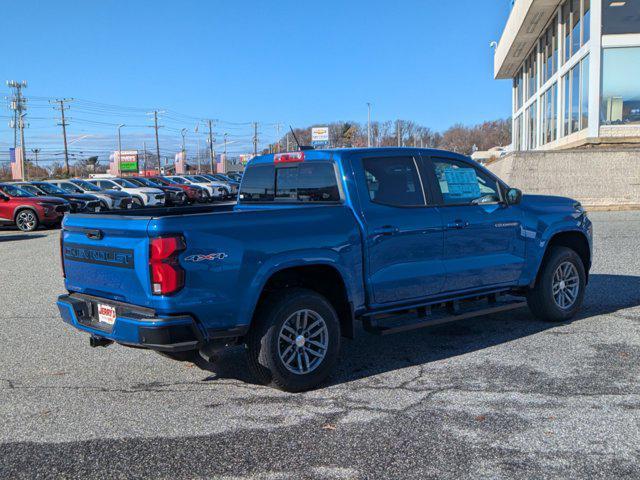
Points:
point(27, 211)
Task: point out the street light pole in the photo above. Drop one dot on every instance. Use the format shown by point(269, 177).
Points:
point(119, 148)
point(36, 151)
point(368, 125)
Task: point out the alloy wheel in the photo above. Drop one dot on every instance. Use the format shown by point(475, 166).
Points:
point(303, 341)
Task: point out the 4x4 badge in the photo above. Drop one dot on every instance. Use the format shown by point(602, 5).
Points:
point(207, 257)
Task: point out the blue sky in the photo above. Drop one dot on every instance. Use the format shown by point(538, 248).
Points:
point(294, 62)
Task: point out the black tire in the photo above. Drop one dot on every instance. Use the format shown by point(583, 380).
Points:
point(263, 341)
point(26, 220)
point(137, 202)
point(186, 356)
point(541, 299)
point(103, 206)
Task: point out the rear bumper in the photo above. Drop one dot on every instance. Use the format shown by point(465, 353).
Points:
point(134, 326)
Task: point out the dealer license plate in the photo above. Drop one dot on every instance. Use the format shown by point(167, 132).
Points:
point(106, 314)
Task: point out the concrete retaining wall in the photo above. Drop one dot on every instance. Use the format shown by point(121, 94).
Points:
point(597, 178)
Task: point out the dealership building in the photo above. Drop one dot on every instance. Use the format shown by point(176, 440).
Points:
point(575, 68)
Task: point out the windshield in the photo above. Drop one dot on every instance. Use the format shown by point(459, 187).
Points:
point(179, 180)
point(149, 182)
point(124, 183)
point(14, 191)
point(224, 178)
point(48, 188)
point(31, 189)
point(198, 178)
point(137, 182)
point(86, 185)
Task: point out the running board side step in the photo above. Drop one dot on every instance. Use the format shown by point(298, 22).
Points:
point(428, 317)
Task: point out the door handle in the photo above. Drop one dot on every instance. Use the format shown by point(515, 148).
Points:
point(457, 225)
point(386, 230)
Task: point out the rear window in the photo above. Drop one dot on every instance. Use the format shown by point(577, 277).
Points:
point(302, 182)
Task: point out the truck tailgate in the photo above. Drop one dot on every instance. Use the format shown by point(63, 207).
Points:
point(107, 256)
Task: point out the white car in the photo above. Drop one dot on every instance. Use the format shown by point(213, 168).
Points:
point(142, 196)
point(216, 191)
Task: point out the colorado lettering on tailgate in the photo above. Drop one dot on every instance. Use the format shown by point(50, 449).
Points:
point(115, 257)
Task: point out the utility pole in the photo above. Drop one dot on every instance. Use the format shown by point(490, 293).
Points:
point(255, 138)
point(211, 152)
point(278, 137)
point(288, 149)
point(225, 146)
point(398, 131)
point(156, 127)
point(63, 123)
point(18, 105)
point(22, 147)
point(368, 125)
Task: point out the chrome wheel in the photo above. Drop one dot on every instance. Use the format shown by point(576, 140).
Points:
point(303, 341)
point(26, 220)
point(565, 285)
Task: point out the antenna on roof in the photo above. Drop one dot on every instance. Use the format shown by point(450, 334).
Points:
point(300, 147)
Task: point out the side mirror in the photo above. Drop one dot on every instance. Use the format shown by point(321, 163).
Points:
point(514, 196)
point(3, 198)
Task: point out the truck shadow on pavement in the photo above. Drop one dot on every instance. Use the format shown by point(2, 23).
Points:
point(368, 355)
point(16, 237)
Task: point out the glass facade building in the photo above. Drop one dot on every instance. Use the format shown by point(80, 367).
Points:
point(575, 68)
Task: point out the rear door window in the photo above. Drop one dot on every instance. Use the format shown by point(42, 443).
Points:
point(258, 184)
point(394, 181)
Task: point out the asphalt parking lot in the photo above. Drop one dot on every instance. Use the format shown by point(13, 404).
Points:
point(497, 397)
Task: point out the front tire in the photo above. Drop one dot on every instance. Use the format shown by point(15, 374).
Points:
point(27, 220)
point(295, 340)
point(137, 202)
point(560, 288)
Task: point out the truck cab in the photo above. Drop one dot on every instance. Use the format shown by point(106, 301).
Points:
point(321, 240)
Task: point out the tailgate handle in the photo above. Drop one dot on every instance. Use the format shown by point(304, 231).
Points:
point(93, 234)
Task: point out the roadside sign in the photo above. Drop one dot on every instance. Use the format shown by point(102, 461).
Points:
point(127, 160)
point(319, 136)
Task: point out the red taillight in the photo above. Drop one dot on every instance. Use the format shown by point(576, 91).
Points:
point(288, 157)
point(167, 276)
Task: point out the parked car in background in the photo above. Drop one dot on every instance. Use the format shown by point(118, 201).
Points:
point(394, 239)
point(79, 202)
point(27, 211)
point(217, 190)
point(142, 196)
point(194, 193)
point(223, 179)
point(237, 176)
point(109, 199)
point(173, 196)
point(208, 194)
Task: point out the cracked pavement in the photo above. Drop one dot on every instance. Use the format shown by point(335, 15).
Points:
point(495, 397)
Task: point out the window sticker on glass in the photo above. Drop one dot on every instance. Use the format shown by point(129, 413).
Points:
point(462, 183)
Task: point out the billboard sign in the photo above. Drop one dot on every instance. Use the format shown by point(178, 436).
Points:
point(319, 136)
point(127, 160)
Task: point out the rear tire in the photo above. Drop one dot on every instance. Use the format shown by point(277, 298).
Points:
point(294, 341)
point(560, 287)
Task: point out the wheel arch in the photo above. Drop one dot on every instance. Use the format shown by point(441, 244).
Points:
point(573, 239)
point(323, 278)
point(22, 208)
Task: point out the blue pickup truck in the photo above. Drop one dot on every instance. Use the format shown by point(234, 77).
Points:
point(322, 240)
